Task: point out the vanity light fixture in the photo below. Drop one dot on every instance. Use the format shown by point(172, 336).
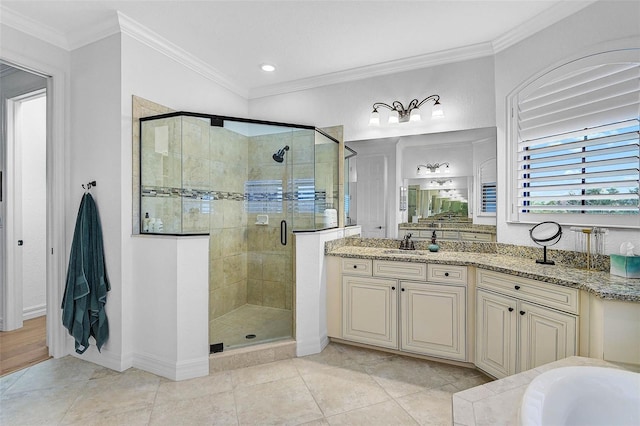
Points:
point(432, 168)
point(400, 114)
point(441, 182)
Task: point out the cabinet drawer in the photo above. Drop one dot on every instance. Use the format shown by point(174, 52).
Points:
point(551, 295)
point(451, 274)
point(356, 267)
point(400, 270)
point(427, 234)
point(472, 236)
point(449, 235)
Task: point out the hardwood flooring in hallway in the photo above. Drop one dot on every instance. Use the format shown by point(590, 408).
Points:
point(24, 347)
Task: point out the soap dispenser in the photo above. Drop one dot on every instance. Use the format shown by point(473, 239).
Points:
point(433, 246)
point(145, 222)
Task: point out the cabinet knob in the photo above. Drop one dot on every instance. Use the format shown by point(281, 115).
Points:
point(510, 309)
point(393, 288)
point(355, 266)
point(403, 289)
point(517, 287)
point(446, 274)
point(522, 312)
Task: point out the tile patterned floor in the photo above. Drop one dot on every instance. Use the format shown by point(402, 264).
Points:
point(343, 385)
point(268, 325)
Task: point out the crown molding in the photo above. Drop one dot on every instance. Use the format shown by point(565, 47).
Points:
point(376, 70)
point(33, 28)
point(155, 41)
point(544, 19)
point(92, 33)
point(124, 24)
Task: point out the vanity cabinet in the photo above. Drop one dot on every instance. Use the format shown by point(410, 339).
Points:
point(412, 307)
point(522, 324)
point(433, 319)
point(369, 311)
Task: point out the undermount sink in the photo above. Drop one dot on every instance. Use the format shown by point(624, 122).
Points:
point(582, 396)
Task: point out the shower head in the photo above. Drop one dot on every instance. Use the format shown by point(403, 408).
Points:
point(279, 156)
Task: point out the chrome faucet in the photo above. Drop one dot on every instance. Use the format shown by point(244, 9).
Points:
point(407, 244)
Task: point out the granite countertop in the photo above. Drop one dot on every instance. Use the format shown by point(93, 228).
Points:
point(602, 284)
point(498, 402)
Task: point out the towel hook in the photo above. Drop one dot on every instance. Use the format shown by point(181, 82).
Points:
point(89, 185)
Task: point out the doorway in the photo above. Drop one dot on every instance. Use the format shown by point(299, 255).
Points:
point(23, 199)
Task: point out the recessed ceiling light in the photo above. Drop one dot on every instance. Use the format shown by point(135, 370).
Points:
point(268, 67)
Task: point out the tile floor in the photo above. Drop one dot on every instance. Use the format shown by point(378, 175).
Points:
point(343, 385)
point(268, 325)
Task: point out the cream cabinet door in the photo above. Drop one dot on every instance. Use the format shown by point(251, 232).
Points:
point(545, 335)
point(369, 311)
point(433, 319)
point(496, 333)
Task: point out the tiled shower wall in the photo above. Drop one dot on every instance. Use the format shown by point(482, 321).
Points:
point(228, 223)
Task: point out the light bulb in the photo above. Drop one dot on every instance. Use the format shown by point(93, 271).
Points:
point(415, 115)
point(394, 118)
point(437, 111)
point(374, 119)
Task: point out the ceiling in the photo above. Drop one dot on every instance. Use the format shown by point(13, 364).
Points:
point(312, 43)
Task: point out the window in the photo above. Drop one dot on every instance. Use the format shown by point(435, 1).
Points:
point(488, 197)
point(267, 196)
point(263, 196)
point(576, 131)
point(486, 178)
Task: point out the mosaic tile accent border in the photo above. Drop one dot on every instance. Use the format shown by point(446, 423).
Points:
point(203, 194)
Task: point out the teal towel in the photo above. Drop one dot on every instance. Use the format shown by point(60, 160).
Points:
point(87, 283)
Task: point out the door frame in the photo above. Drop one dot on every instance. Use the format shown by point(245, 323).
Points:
point(57, 178)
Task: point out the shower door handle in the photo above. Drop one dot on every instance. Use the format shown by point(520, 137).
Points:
point(283, 232)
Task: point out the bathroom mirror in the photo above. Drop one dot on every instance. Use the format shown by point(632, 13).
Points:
point(395, 161)
point(439, 202)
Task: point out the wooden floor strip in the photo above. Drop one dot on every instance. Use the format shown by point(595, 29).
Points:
point(24, 347)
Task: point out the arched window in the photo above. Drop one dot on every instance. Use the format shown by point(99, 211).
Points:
point(574, 143)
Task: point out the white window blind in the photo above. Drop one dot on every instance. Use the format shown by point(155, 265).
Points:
point(488, 204)
point(578, 142)
point(263, 196)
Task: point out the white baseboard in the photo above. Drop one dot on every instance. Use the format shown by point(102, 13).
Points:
point(32, 312)
point(311, 347)
point(104, 358)
point(182, 370)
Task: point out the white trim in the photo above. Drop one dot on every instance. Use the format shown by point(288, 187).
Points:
point(93, 33)
point(33, 28)
point(183, 370)
point(57, 116)
point(144, 35)
point(155, 41)
point(407, 64)
point(105, 358)
point(545, 19)
point(34, 311)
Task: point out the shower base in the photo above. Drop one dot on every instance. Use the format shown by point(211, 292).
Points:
point(266, 324)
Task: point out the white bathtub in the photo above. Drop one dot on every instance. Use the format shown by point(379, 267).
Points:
point(582, 396)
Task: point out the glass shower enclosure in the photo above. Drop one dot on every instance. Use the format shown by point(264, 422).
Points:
point(249, 185)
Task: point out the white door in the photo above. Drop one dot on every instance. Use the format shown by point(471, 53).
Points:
point(372, 197)
point(24, 197)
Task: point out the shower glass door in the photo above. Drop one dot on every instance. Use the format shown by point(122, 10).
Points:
point(249, 185)
point(261, 175)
